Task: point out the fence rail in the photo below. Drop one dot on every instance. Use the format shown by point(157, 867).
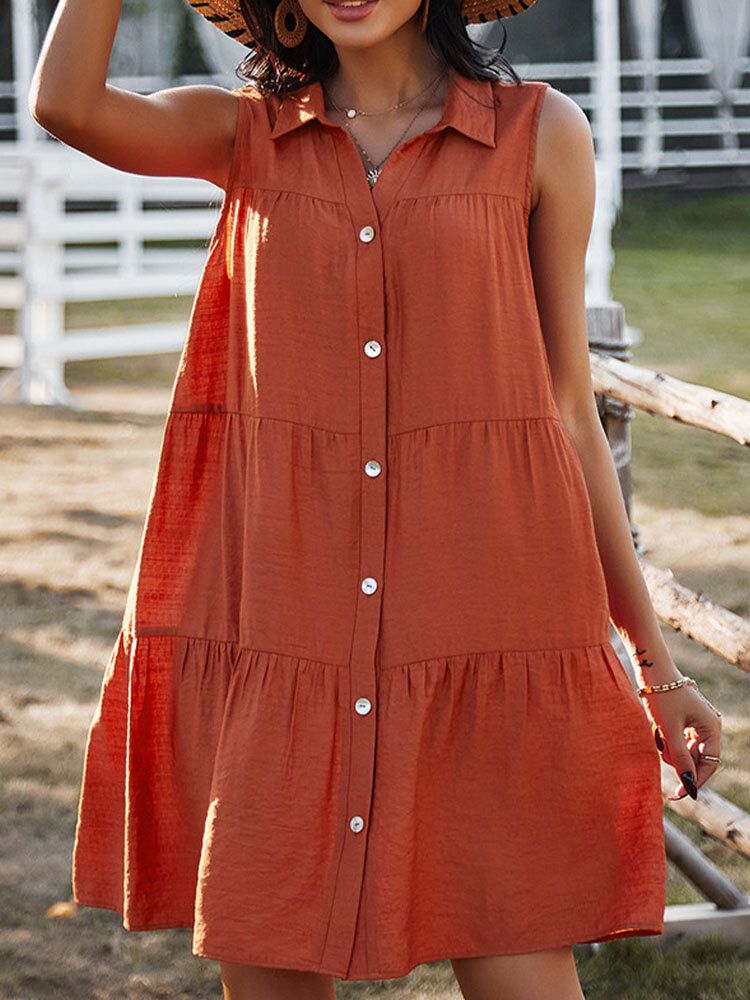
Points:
point(82, 231)
point(660, 393)
point(673, 114)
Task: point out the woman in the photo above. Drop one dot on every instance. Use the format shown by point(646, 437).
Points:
point(363, 711)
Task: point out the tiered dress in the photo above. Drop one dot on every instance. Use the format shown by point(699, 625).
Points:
point(363, 711)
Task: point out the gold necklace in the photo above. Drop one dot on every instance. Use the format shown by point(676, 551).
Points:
point(375, 169)
point(357, 113)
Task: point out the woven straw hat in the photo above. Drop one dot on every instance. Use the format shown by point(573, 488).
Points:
point(227, 15)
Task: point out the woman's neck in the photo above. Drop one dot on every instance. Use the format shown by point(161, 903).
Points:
point(384, 75)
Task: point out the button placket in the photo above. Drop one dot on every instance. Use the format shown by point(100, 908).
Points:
point(359, 726)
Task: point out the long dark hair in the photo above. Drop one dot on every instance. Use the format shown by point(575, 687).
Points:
point(273, 68)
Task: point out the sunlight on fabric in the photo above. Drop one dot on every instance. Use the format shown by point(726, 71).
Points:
point(255, 235)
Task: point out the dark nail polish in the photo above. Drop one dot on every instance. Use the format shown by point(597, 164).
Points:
point(659, 740)
point(689, 782)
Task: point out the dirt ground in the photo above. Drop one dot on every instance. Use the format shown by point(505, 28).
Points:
point(74, 488)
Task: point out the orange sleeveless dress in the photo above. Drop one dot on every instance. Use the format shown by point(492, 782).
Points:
point(363, 711)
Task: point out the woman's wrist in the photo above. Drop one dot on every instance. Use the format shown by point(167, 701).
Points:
point(654, 664)
point(651, 657)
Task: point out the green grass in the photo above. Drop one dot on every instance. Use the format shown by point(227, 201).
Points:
point(701, 969)
point(682, 272)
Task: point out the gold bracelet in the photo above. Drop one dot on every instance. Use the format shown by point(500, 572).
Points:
point(650, 688)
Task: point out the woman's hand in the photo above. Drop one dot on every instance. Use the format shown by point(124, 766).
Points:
point(687, 726)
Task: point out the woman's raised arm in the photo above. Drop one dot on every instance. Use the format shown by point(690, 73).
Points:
point(180, 131)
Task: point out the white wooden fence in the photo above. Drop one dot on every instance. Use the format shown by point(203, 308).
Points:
point(673, 113)
point(51, 253)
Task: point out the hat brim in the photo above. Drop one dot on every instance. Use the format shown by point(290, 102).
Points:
point(227, 16)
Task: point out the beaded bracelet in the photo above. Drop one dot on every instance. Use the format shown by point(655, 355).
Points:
point(649, 688)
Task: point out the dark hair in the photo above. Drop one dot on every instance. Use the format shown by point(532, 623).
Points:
point(273, 68)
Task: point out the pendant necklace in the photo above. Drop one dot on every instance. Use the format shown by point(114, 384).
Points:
point(374, 169)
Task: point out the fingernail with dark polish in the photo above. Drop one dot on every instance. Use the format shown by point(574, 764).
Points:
point(689, 782)
point(659, 740)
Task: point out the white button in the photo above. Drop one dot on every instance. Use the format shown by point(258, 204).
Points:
point(372, 468)
point(366, 234)
point(372, 348)
point(369, 585)
point(362, 705)
point(356, 823)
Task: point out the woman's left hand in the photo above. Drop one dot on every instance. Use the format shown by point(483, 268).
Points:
point(689, 727)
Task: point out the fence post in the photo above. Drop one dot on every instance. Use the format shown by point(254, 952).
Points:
point(43, 314)
point(607, 335)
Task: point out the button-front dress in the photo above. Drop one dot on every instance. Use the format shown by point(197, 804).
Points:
point(363, 711)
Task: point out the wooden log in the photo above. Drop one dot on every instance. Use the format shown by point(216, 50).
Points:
point(715, 815)
point(686, 402)
point(707, 877)
point(714, 627)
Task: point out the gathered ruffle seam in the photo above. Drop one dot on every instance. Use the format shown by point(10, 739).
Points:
point(290, 657)
point(216, 411)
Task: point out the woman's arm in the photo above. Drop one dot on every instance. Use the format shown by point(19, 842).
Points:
point(563, 196)
point(181, 131)
point(559, 227)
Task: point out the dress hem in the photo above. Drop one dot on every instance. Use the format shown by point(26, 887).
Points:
point(249, 958)
point(98, 904)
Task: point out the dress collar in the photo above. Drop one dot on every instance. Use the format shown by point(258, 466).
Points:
point(469, 108)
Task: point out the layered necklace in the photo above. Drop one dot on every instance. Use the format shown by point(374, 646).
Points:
point(374, 169)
